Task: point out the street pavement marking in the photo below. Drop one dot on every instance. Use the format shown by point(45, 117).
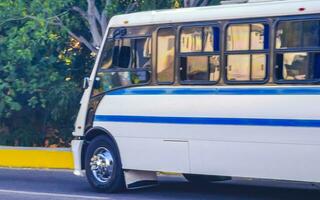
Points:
point(52, 194)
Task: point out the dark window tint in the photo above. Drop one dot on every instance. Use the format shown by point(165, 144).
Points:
point(165, 55)
point(295, 34)
point(246, 37)
point(298, 66)
point(106, 57)
point(122, 54)
point(124, 62)
point(199, 68)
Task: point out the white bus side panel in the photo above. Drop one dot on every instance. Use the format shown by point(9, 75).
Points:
point(154, 154)
point(275, 152)
point(262, 160)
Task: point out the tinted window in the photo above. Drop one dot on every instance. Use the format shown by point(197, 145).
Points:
point(257, 37)
point(238, 67)
point(295, 34)
point(200, 68)
point(298, 66)
point(246, 67)
point(258, 67)
point(165, 55)
point(238, 37)
point(122, 54)
point(124, 62)
point(245, 62)
point(199, 39)
point(201, 64)
point(106, 57)
point(209, 39)
point(191, 39)
point(298, 50)
point(111, 79)
point(143, 53)
point(246, 37)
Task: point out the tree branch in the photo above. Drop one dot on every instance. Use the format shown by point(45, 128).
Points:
point(104, 17)
point(132, 6)
point(205, 3)
point(96, 13)
point(195, 3)
point(80, 38)
point(83, 40)
point(12, 19)
point(186, 3)
point(104, 22)
point(58, 22)
point(81, 12)
point(96, 35)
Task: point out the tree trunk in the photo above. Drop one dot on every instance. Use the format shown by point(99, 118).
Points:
point(194, 3)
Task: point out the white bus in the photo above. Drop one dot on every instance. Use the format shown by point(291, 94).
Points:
point(209, 92)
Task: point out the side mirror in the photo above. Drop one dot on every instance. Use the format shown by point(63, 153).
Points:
point(85, 83)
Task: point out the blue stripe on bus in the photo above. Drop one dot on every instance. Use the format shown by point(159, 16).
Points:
point(218, 91)
point(208, 121)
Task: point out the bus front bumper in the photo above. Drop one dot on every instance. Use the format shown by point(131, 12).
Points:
point(76, 152)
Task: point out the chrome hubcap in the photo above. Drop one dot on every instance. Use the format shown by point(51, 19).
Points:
point(102, 164)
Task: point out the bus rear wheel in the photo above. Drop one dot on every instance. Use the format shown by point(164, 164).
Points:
point(204, 179)
point(103, 166)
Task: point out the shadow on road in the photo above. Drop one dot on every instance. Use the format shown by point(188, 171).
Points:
point(170, 187)
point(235, 189)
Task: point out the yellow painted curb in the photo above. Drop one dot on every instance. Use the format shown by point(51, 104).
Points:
point(35, 158)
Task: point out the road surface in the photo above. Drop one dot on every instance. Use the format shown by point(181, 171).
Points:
point(17, 184)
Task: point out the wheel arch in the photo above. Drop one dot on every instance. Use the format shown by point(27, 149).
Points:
point(90, 135)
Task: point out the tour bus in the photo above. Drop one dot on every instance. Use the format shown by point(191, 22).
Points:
point(208, 92)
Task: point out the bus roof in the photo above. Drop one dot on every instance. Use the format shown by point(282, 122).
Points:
point(220, 12)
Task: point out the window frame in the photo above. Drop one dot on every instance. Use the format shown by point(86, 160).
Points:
point(266, 51)
point(208, 54)
point(123, 69)
point(156, 55)
point(277, 51)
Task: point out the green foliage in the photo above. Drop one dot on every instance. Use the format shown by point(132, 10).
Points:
point(41, 67)
point(34, 93)
point(121, 6)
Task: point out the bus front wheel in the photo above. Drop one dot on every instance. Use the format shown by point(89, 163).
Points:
point(103, 165)
point(203, 179)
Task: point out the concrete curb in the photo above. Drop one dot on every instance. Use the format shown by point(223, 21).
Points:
point(40, 158)
point(33, 157)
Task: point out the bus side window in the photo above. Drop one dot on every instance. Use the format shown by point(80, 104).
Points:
point(142, 53)
point(165, 55)
point(247, 53)
point(124, 62)
point(199, 55)
point(107, 55)
point(122, 54)
point(297, 51)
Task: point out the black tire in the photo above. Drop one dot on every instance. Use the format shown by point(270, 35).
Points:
point(204, 179)
point(116, 182)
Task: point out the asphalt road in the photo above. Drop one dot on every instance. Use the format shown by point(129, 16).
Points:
point(62, 185)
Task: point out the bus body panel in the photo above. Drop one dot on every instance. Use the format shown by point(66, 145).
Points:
point(249, 135)
point(257, 131)
point(220, 12)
